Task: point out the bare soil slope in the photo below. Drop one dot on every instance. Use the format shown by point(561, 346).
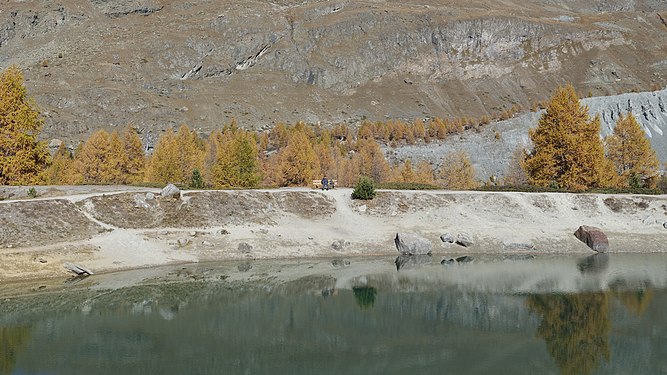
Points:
point(127, 230)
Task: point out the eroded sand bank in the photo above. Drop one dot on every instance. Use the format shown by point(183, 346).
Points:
point(116, 229)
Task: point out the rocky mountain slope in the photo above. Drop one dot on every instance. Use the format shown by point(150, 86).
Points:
point(492, 147)
point(159, 63)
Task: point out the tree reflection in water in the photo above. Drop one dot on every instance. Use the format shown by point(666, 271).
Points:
point(635, 301)
point(365, 296)
point(12, 340)
point(575, 328)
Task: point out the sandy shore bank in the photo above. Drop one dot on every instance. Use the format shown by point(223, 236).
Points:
point(108, 229)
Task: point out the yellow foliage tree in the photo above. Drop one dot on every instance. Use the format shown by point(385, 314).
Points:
point(100, 160)
point(407, 173)
point(424, 173)
point(371, 160)
point(176, 156)
point(135, 158)
point(298, 162)
point(237, 164)
point(457, 172)
point(163, 164)
point(634, 160)
point(62, 169)
point(567, 150)
point(23, 159)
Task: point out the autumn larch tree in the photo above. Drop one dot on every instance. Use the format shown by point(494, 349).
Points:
point(237, 163)
point(630, 151)
point(23, 159)
point(567, 150)
point(371, 160)
point(298, 162)
point(163, 164)
point(135, 158)
point(176, 156)
point(457, 172)
point(100, 159)
point(62, 170)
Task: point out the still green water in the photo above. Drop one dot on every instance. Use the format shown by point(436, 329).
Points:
point(558, 315)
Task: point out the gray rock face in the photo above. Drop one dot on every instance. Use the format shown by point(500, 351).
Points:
point(490, 155)
point(245, 247)
point(171, 191)
point(183, 242)
point(412, 244)
point(355, 59)
point(339, 245)
point(140, 201)
point(463, 239)
point(447, 238)
point(593, 237)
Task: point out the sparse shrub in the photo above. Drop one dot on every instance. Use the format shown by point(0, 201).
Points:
point(364, 189)
point(407, 186)
point(32, 193)
point(45, 63)
point(196, 182)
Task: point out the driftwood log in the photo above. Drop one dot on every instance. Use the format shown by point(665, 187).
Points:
point(77, 269)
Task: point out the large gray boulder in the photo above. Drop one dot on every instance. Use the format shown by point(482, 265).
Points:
point(463, 239)
point(412, 244)
point(593, 237)
point(171, 191)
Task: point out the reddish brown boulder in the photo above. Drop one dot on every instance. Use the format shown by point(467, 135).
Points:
point(593, 237)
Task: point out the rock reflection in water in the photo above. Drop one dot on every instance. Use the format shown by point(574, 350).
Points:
point(575, 328)
point(412, 261)
point(596, 263)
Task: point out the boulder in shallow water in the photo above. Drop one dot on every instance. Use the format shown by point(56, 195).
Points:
point(447, 238)
point(463, 239)
point(412, 244)
point(593, 237)
point(171, 191)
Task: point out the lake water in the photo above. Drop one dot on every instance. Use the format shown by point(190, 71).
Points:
point(548, 315)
